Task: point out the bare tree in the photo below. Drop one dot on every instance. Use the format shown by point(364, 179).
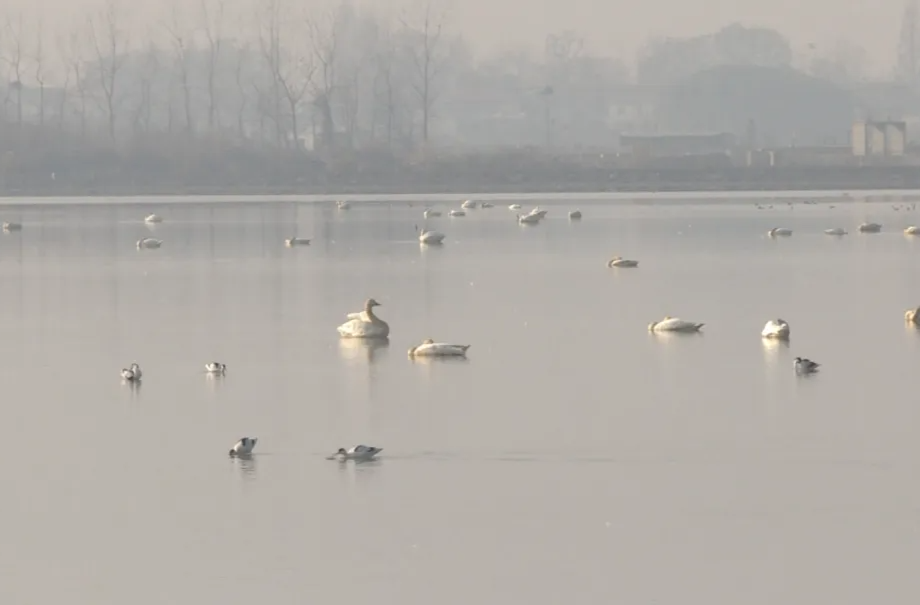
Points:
point(147, 73)
point(38, 59)
point(324, 37)
point(270, 47)
point(424, 42)
point(213, 20)
point(75, 58)
point(64, 96)
point(385, 84)
point(242, 57)
point(14, 57)
point(110, 48)
point(182, 52)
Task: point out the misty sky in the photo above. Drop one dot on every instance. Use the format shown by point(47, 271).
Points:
point(616, 27)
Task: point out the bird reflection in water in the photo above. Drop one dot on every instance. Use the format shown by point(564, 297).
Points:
point(773, 350)
point(246, 463)
point(371, 349)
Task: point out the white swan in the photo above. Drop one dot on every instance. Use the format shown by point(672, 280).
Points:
point(430, 348)
point(149, 243)
point(621, 262)
point(528, 219)
point(357, 453)
point(12, 227)
point(457, 213)
point(870, 228)
point(835, 231)
point(430, 237)
point(575, 215)
point(801, 365)
point(514, 207)
point(431, 213)
point(912, 230)
point(537, 212)
point(673, 324)
point(912, 316)
point(296, 241)
point(365, 324)
point(153, 218)
point(776, 328)
point(215, 367)
point(342, 205)
point(779, 232)
point(244, 446)
point(132, 374)
point(468, 204)
point(486, 205)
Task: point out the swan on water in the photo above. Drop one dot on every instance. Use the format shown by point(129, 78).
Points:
point(870, 228)
point(673, 324)
point(776, 328)
point(528, 219)
point(779, 232)
point(342, 205)
point(457, 213)
point(431, 213)
point(486, 205)
point(12, 227)
point(244, 446)
point(132, 374)
point(430, 237)
point(618, 261)
point(296, 241)
point(430, 348)
point(153, 218)
point(575, 215)
point(215, 367)
point(912, 316)
point(537, 212)
point(468, 204)
point(912, 230)
point(365, 324)
point(149, 243)
point(835, 231)
point(803, 365)
point(514, 207)
point(357, 453)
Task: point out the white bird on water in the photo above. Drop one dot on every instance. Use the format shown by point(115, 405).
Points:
point(365, 324)
point(912, 316)
point(7, 227)
point(779, 232)
point(776, 328)
point(835, 231)
point(215, 367)
point(149, 243)
point(430, 237)
point(802, 365)
point(244, 446)
point(575, 215)
point(132, 374)
point(528, 219)
point(342, 205)
point(674, 324)
point(468, 204)
point(514, 207)
point(457, 213)
point(912, 230)
point(153, 218)
point(430, 348)
point(870, 228)
point(357, 453)
point(296, 241)
point(618, 261)
point(431, 213)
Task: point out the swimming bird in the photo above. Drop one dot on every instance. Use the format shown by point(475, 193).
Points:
point(575, 215)
point(149, 243)
point(132, 374)
point(618, 261)
point(7, 227)
point(365, 324)
point(430, 237)
point(776, 328)
point(153, 218)
point(835, 231)
point(912, 230)
point(296, 241)
point(486, 205)
point(674, 324)
point(457, 213)
point(357, 453)
point(244, 446)
point(468, 204)
point(430, 348)
point(870, 228)
point(537, 212)
point(779, 232)
point(514, 207)
point(342, 205)
point(528, 219)
point(215, 367)
point(431, 213)
point(912, 316)
point(805, 366)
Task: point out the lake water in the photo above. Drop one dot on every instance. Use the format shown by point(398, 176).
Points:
point(574, 458)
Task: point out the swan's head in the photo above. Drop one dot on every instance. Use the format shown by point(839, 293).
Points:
point(912, 315)
point(614, 260)
point(651, 326)
point(427, 341)
point(371, 303)
point(342, 451)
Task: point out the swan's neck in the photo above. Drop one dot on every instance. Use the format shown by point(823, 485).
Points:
point(369, 311)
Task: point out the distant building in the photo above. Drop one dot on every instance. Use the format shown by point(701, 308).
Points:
point(879, 138)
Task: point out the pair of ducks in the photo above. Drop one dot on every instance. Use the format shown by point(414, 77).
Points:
point(134, 373)
point(366, 324)
point(244, 447)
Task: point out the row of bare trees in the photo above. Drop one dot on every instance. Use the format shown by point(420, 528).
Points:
point(272, 71)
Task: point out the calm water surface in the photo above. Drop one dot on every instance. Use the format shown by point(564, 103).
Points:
point(574, 458)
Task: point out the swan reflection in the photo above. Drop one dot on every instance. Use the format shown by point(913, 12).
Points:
point(370, 349)
point(773, 349)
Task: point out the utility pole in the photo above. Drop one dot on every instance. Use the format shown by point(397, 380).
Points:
point(907, 44)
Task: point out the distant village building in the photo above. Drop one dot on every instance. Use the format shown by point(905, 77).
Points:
point(879, 138)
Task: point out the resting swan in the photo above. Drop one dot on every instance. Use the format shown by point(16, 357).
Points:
point(342, 205)
point(431, 213)
point(365, 324)
point(468, 204)
point(776, 328)
point(528, 219)
point(618, 261)
point(779, 232)
point(357, 453)
point(430, 348)
point(12, 227)
point(673, 324)
point(457, 213)
point(132, 374)
point(514, 207)
point(244, 446)
point(575, 215)
point(912, 230)
point(912, 316)
point(215, 367)
point(835, 231)
point(149, 243)
point(430, 237)
point(870, 228)
point(296, 241)
point(153, 218)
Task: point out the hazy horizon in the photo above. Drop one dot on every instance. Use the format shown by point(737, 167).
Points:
point(497, 25)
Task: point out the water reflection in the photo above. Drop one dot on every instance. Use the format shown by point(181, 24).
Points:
point(429, 360)
point(369, 349)
point(246, 463)
point(773, 350)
